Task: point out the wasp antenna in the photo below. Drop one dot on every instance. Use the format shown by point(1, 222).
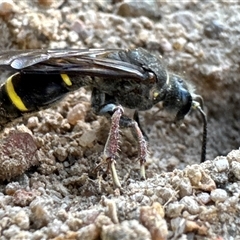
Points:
point(199, 99)
point(197, 105)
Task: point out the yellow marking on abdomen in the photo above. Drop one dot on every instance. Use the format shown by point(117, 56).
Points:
point(16, 100)
point(66, 79)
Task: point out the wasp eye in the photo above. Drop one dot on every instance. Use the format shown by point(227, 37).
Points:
point(186, 104)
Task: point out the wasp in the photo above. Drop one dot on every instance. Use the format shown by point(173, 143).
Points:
point(119, 79)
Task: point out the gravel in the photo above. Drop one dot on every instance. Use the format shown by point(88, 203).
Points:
point(55, 186)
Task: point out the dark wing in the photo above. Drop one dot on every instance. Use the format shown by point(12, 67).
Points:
point(94, 62)
point(19, 59)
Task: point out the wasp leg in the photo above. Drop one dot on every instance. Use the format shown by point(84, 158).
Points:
point(136, 118)
point(105, 105)
point(141, 140)
point(111, 146)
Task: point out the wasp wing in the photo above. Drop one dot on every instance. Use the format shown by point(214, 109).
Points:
point(94, 62)
point(19, 59)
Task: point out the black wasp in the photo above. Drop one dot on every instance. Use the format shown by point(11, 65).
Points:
point(135, 79)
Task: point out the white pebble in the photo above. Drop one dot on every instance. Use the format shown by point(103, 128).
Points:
point(166, 45)
point(32, 122)
point(73, 36)
point(174, 210)
point(219, 195)
point(11, 231)
point(22, 220)
point(179, 43)
point(236, 169)
point(221, 164)
point(204, 197)
point(190, 205)
point(190, 48)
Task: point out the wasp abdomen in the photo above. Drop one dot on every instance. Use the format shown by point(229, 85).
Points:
point(25, 93)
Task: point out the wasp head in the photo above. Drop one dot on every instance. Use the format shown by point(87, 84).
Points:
point(177, 99)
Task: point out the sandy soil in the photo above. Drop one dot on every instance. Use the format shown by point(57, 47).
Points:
point(50, 188)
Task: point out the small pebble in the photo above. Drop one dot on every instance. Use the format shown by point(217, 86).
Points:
point(186, 19)
point(190, 205)
point(204, 197)
point(22, 235)
point(166, 45)
point(17, 154)
point(219, 195)
point(61, 153)
point(213, 29)
point(142, 8)
point(87, 139)
point(194, 173)
point(234, 155)
point(174, 210)
point(126, 230)
point(33, 122)
point(236, 169)
point(45, 3)
point(221, 164)
point(11, 231)
point(6, 7)
point(185, 187)
point(78, 112)
point(40, 216)
point(73, 36)
point(190, 48)
point(153, 219)
point(22, 220)
point(179, 44)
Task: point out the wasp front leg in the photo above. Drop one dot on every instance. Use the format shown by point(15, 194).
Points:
point(111, 146)
point(117, 121)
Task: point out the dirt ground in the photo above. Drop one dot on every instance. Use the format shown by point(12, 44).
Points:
point(50, 187)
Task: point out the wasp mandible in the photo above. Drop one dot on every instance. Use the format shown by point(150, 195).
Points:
point(134, 79)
